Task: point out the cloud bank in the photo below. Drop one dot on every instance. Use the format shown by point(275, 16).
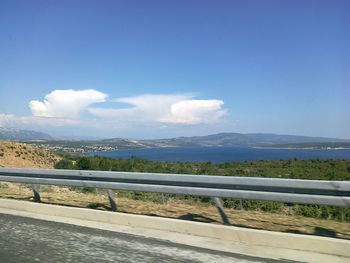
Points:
point(70, 110)
point(166, 109)
point(66, 103)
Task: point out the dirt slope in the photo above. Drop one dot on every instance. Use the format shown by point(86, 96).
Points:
point(20, 155)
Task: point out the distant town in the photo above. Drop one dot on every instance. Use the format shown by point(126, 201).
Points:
point(83, 147)
point(75, 149)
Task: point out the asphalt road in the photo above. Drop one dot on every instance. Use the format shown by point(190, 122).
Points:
point(26, 240)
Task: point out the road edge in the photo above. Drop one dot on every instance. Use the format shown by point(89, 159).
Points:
point(274, 245)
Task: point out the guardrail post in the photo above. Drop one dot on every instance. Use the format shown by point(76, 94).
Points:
point(241, 204)
point(219, 206)
point(36, 191)
point(163, 198)
point(112, 200)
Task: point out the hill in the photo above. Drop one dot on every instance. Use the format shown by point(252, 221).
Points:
point(20, 155)
point(215, 140)
point(14, 134)
point(225, 139)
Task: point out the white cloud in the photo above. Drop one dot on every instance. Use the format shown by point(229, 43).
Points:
point(60, 112)
point(195, 112)
point(31, 122)
point(162, 108)
point(7, 119)
point(66, 103)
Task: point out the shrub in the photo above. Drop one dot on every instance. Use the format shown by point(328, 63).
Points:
point(299, 169)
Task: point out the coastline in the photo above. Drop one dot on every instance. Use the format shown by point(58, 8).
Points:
point(225, 154)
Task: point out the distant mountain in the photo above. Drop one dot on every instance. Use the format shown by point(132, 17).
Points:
point(78, 138)
point(227, 139)
point(214, 140)
point(13, 134)
point(122, 143)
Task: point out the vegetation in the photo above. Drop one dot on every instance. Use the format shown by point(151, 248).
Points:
point(298, 169)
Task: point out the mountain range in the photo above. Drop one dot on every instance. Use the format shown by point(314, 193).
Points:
point(225, 139)
point(220, 139)
point(13, 134)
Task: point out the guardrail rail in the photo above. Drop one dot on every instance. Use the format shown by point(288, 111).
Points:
point(320, 192)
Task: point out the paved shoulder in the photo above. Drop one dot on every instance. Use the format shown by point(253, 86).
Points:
point(31, 240)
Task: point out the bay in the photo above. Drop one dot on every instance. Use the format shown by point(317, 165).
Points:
point(225, 154)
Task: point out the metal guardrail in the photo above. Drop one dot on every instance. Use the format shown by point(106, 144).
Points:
point(335, 193)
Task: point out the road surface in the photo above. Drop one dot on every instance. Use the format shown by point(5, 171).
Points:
point(27, 240)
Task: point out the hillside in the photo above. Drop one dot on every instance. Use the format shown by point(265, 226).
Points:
point(22, 135)
point(239, 139)
point(20, 155)
point(222, 139)
point(214, 140)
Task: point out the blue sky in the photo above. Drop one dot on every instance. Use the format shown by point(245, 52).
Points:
point(149, 69)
